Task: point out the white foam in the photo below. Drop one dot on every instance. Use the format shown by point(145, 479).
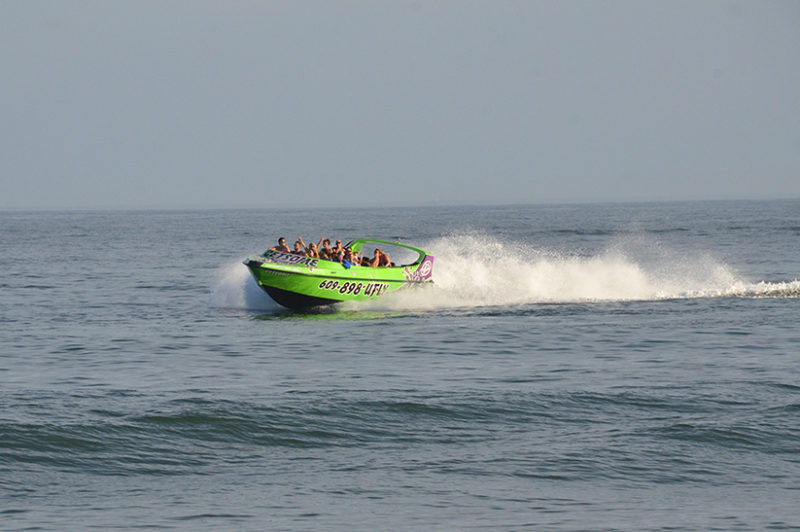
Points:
point(474, 271)
point(236, 289)
point(759, 289)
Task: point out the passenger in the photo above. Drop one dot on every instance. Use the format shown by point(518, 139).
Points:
point(281, 246)
point(338, 247)
point(326, 246)
point(341, 258)
point(379, 258)
point(324, 255)
point(347, 258)
point(309, 250)
point(376, 259)
point(299, 249)
point(385, 260)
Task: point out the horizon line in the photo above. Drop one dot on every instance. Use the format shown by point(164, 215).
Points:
point(427, 205)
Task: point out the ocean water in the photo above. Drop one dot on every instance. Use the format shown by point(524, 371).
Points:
point(574, 367)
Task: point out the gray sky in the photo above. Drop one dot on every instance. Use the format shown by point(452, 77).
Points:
point(245, 103)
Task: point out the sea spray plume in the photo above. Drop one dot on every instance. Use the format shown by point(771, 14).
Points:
point(673, 273)
point(484, 271)
point(474, 270)
point(236, 289)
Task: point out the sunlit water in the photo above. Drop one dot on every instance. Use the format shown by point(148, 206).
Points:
point(602, 367)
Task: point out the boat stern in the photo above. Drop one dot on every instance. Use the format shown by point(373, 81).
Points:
point(423, 272)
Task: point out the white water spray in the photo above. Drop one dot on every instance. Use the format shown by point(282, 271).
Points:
point(476, 270)
point(236, 289)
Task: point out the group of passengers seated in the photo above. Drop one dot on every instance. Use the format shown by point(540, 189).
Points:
point(323, 250)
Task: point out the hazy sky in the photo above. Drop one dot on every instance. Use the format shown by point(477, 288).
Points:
point(257, 103)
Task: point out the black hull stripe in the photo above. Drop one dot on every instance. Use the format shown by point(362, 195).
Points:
point(296, 301)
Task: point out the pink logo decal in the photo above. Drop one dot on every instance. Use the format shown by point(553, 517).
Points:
point(423, 272)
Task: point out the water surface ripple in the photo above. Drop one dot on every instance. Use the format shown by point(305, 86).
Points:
point(596, 367)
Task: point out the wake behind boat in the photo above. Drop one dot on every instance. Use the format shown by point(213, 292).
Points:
point(298, 282)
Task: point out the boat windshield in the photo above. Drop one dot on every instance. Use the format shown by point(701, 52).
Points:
point(401, 255)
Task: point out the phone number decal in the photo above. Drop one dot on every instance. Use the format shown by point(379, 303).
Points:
point(355, 288)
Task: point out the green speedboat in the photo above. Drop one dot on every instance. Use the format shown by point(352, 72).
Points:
point(298, 282)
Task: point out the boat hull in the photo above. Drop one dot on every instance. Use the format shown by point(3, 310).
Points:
point(295, 300)
point(301, 282)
